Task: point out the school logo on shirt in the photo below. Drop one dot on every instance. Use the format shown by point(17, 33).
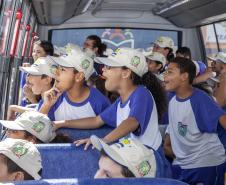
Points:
point(135, 61)
point(38, 127)
point(182, 129)
point(143, 168)
point(19, 149)
point(85, 64)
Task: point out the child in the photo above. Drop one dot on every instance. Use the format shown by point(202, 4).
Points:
point(165, 46)
point(40, 77)
point(19, 160)
point(135, 112)
point(71, 98)
point(156, 62)
point(127, 158)
point(193, 119)
point(34, 127)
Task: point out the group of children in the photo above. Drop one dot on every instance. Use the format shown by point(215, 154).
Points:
point(143, 82)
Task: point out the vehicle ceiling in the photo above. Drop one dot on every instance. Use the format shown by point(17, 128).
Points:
point(182, 13)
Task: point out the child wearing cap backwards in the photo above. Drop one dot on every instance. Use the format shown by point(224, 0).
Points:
point(41, 78)
point(127, 158)
point(19, 160)
point(135, 111)
point(193, 120)
point(71, 98)
point(156, 62)
point(34, 127)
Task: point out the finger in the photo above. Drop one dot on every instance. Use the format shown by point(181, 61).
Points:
point(87, 145)
point(80, 142)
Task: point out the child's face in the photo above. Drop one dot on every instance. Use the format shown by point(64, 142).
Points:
point(65, 78)
point(173, 77)
point(157, 48)
point(5, 176)
point(38, 52)
point(153, 66)
point(15, 134)
point(37, 83)
point(108, 169)
point(113, 77)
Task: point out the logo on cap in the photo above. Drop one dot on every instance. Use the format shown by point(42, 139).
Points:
point(53, 69)
point(85, 64)
point(143, 168)
point(38, 127)
point(135, 61)
point(19, 150)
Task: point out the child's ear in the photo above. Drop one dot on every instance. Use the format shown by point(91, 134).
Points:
point(185, 77)
point(80, 76)
point(126, 73)
point(17, 176)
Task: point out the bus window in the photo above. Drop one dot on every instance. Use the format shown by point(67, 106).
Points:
point(113, 37)
point(6, 14)
point(221, 35)
point(209, 39)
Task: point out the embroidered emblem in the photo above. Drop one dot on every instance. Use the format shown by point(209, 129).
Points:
point(85, 64)
point(135, 61)
point(144, 168)
point(38, 127)
point(19, 150)
point(182, 129)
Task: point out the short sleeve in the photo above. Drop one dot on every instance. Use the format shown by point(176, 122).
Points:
point(207, 112)
point(98, 101)
point(141, 109)
point(109, 115)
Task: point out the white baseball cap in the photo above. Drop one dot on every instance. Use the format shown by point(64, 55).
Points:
point(35, 123)
point(42, 66)
point(220, 56)
point(127, 57)
point(24, 154)
point(156, 56)
point(164, 42)
point(130, 153)
point(76, 59)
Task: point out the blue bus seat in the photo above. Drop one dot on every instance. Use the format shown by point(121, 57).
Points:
point(68, 161)
point(126, 181)
point(85, 133)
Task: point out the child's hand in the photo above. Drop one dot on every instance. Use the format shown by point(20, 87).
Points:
point(29, 94)
point(51, 96)
point(11, 113)
point(86, 142)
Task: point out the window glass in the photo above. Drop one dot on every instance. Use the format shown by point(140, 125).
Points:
point(113, 37)
point(209, 39)
point(221, 35)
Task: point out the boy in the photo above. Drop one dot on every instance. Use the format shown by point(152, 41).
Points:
point(19, 160)
point(71, 98)
point(193, 119)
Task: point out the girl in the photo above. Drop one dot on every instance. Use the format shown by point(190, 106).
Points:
point(135, 111)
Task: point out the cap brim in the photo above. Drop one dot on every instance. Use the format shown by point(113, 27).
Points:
point(108, 62)
point(30, 70)
point(60, 61)
point(99, 144)
point(211, 58)
point(13, 125)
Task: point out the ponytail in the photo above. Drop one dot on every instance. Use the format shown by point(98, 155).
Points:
point(152, 83)
point(62, 138)
point(170, 55)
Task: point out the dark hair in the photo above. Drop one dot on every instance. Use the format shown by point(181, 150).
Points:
point(154, 85)
point(170, 55)
point(125, 171)
point(47, 46)
point(97, 43)
point(185, 51)
point(52, 81)
point(13, 167)
point(186, 66)
point(60, 138)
